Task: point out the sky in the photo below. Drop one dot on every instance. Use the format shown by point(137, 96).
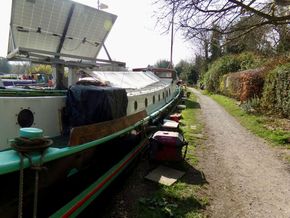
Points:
point(134, 39)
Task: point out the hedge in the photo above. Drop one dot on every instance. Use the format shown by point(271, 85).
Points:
point(243, 85)
point(276, 93)
point(213, 78)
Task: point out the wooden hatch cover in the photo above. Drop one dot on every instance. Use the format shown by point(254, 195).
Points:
point(87, 133)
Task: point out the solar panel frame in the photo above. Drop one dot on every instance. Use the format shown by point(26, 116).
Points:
point(39, 24)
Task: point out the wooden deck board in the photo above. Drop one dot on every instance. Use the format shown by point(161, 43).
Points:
point(87, 133)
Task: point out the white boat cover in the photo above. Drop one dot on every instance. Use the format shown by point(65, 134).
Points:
point(127, 79)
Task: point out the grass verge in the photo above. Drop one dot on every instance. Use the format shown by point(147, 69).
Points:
point(271, 129)
point(182, 199)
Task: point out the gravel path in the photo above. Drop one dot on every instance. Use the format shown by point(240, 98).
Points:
point(246, 177)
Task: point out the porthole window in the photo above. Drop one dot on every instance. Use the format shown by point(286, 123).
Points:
point(159, 97)
point(146, 102)
point(25, 118)
point(153, 100)
point(135, 105)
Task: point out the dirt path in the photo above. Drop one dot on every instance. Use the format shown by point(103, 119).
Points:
point(246, 178)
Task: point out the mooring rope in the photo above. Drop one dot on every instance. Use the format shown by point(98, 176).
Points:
point(24, 147)
point(37, 167)
point(21, 179)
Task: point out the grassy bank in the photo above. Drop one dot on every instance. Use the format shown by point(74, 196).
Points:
point(273, 130)
point(182, 199)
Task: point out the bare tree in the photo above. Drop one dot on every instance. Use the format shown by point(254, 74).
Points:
point(198, 16)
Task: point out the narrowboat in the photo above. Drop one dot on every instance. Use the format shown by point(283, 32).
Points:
point(61, 148)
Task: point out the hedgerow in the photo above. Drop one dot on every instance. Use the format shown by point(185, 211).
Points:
point(231, 63)
point(276, 93)
point(244, 85)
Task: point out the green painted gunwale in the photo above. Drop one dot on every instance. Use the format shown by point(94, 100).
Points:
point(31, 93)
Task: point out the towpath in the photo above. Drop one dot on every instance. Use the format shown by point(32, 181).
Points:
point(246, 178)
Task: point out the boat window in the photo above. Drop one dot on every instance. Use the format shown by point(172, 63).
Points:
point(153, 100)
point(25, 118)
point(146, 102)
point(159, 97)
point(166, 93)
point(135, 105)
point(163, 95)
point(169, 92)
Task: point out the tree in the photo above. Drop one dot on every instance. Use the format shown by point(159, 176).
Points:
point(215, 43)
point(182, 69)
point(195, 17)
point(201, 65)
point(162, 64)
point(47, 69)
point(20, 67)
point(284, 38)
point(193, 76)
point(187, 72)
point(254, 41)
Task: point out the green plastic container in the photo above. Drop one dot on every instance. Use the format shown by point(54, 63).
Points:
point(31, 133)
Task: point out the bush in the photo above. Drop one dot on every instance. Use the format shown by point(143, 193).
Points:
point(220, 67)
point(231, 63)
point(252, 105)
point(244, 85)
point(249, 60)
point(230, 85)
point(276, 93)
point(252, 82)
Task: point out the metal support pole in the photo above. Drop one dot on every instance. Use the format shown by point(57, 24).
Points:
point(60, 76)
point(171, 45)
point(108, 55)
point(72, 76)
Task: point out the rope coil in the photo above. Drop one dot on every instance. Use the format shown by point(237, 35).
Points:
point(25, 145)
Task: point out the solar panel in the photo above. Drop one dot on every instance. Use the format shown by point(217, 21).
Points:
point(58, 26)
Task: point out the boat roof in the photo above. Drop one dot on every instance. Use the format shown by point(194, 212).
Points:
point(153, 69)
point(127, 79)
point(134, 82)
point(160, 72)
